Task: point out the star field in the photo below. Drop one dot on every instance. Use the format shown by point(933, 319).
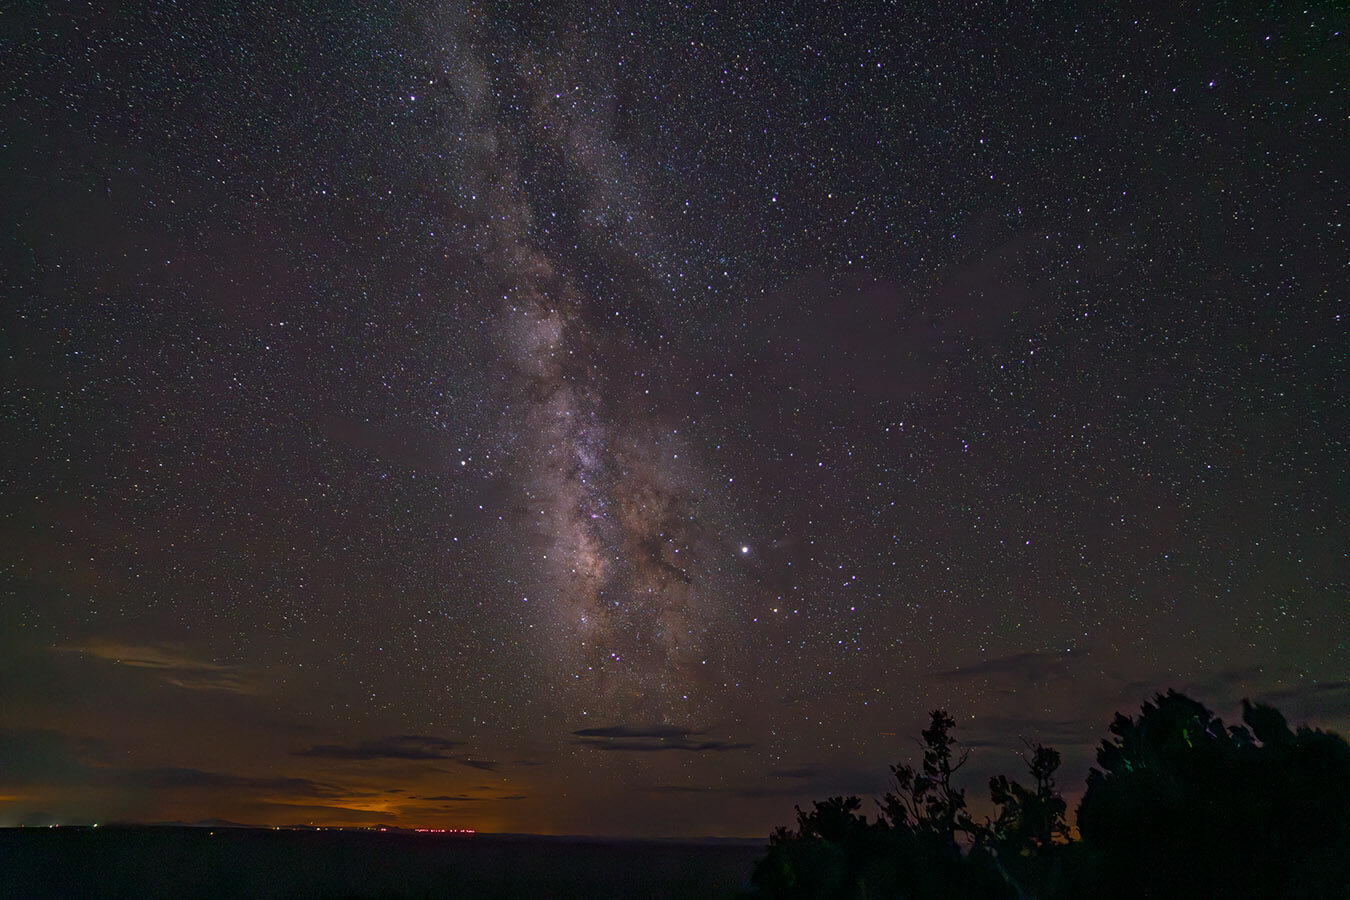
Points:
point(631, 423)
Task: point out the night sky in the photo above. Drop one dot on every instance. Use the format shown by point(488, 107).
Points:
point(634, 422)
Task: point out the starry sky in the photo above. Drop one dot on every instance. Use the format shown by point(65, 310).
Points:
point(489, 415)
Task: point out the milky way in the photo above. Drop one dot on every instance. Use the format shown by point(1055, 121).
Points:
point(609, 506)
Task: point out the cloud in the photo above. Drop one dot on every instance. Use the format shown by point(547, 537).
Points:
point(1285, 687)
point(1325, 703)
point(142, 656)
point(404, 746)
point(763, 793)
point(798, 772)
point(650, 739)
point(814, 781)
point(231, 682)
point(624, 731)
point(660, 746)
point(1306, 691)
point(468, 798)
point(174, 778)
point(1034, 667)
point(1242, 674)
point(1004, 732)
point(677, 789)
point(180, 668)
point(487, 765)
point(44, 756)
point(54, 758)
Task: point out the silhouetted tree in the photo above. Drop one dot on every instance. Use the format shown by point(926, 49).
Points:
point(1179, 805)
point(913, 850)
point(1030, 819)
point(925, 800)
point(822, 857)
point(1029, 826)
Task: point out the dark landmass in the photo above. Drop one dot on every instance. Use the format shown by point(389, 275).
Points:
point(141, 863)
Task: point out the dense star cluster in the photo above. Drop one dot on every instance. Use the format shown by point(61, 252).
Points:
point(499, 416)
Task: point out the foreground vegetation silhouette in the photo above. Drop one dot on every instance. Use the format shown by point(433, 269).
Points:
point(1178, 805)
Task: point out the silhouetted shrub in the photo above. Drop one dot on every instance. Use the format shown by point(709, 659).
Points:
point(1182, 806)
point(1178, 806)
point(914, 849)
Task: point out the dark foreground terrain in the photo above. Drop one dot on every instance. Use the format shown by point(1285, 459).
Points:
point(140, 863)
